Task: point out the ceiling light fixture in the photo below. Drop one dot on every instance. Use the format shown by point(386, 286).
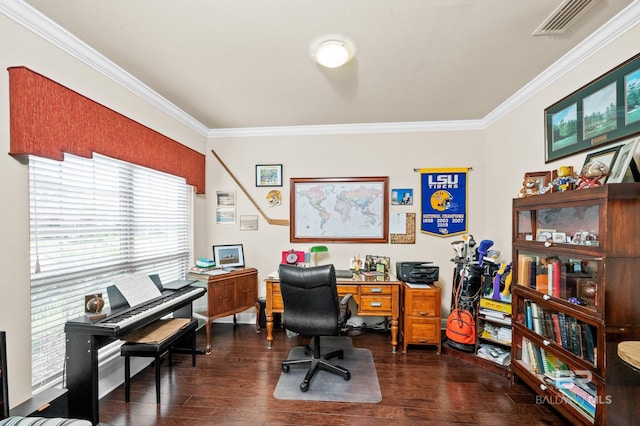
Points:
point(332, 53)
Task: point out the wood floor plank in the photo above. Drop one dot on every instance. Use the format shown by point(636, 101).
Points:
point(235, 383)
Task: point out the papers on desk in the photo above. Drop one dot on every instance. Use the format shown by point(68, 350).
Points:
point(416, 285)
point(274, 275)
point(137, 288)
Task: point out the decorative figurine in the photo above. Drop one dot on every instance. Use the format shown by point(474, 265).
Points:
point(529, 187)
point(592, 173)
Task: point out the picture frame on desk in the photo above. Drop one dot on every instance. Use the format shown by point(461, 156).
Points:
point(229, 255)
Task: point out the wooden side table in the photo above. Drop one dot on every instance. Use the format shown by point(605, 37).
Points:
point(229, 294)
point(629, 352)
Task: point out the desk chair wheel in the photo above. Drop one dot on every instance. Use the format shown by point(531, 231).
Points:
point(347, 376)
point(304, 386)
point(285, 368)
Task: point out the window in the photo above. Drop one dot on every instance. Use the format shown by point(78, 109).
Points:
point(92, 220)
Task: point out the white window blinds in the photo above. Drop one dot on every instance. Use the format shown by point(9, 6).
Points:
point(92, 220)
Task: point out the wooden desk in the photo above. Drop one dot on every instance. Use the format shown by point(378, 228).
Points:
point(228, 294)
point(375, 296)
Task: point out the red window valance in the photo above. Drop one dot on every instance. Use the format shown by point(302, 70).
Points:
point(48, 120)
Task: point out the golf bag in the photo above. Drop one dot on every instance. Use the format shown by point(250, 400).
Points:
point(465, 296)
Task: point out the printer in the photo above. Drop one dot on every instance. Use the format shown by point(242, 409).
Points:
point(417, 272)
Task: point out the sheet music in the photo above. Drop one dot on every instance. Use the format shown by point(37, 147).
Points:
point(137, 288)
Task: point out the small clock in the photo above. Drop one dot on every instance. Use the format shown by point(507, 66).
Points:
point(292, 257)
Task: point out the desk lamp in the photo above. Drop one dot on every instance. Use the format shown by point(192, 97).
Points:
point(315, 250)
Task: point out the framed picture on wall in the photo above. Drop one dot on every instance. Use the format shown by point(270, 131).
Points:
point(269, 175)
point(599, 113)
point(339, 209)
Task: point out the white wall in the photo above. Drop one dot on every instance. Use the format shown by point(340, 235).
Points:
point(21, 47)
point(392, 155)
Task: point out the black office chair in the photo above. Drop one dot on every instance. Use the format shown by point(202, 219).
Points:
point(311, 308)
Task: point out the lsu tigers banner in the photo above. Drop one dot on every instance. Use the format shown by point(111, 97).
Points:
point(444, 201)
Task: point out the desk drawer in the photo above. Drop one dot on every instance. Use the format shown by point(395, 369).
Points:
point(375, 289)
point(343, 290)
point(424, 305)
point(276, 302)
point(422, 331)
point(375, 304)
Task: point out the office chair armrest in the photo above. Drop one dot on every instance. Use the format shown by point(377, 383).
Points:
point(345, 299)
point(345, 312)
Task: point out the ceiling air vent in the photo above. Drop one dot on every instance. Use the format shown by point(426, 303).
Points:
point(565, 14)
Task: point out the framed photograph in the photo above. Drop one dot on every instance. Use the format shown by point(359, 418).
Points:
point(542, 179)
point(632, 96)
point(269, 175)
point(606, 156)
point(623, 161)
point(559, 237)
point(605, 110)
point(229, 255)
point(402, 197)
point(599, 113)
point(248, 222)
point(543, 234)
point(226, 198)
point(352, 209)
point(226, 215)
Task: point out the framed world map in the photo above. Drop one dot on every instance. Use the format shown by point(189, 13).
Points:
point(340, 209)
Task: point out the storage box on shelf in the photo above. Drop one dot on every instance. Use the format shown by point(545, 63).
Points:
point(494, 327)
point(576, 263)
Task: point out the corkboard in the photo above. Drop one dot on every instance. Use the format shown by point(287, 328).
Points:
point(410, 236)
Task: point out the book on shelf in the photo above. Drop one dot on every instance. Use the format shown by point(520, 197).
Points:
point(528, 315)
point(535, 318)
point(575, 336)
point(496, 305)
point(578, 401)
point(556, 328)
point(562, 322)
point(588, 343)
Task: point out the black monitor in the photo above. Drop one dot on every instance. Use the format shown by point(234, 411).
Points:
point(4, 389)
point(229, 255)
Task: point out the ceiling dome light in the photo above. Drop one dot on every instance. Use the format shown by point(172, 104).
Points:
point(332, 53)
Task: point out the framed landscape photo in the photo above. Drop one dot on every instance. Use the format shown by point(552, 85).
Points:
point(351, 209)
point(599, 113)
point(268, 174)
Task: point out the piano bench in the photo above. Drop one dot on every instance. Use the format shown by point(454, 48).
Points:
point(156, 346)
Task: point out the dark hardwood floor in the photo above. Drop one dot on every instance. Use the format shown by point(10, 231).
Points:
point(235, 383)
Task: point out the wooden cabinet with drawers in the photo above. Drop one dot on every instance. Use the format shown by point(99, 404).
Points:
point(228, 294)
point(420, 316)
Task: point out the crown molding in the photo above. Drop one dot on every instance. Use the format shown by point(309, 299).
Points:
point(349, 129)
point(39, 24)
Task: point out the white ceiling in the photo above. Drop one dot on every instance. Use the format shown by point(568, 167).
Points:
point(246, 63)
